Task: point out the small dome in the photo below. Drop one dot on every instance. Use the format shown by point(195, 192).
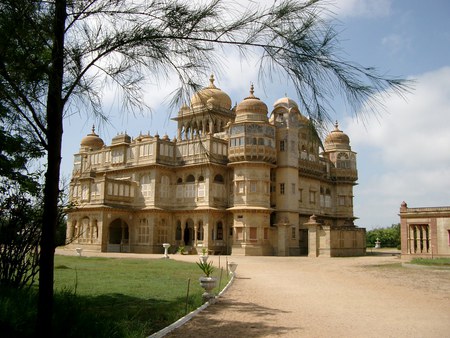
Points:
point(337, 139)
point(289, 105)
point(251, 109)
point(285, 102)
point(211, 95)
point(92, 141)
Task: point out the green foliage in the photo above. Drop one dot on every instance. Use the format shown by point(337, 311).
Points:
point(389, 237)
point(206, 267)
point(20, 234)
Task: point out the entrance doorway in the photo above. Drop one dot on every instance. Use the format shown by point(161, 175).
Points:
point(118, 238)
point(188, 235)
point(303, 242)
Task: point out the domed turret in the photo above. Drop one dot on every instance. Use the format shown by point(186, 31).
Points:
point(337, 139)
point(285, 102)
point(285, 108)
point(211, 95)
point(92, 141)
point(251, 109)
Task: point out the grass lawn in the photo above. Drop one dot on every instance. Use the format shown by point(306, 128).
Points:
point(442, 261)
point(110, 297)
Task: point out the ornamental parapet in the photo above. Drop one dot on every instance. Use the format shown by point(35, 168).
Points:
point(314, 168)
point(252, 153)
point(426, 211)
point(340, 174)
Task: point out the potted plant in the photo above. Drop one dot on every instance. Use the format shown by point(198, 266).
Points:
point(207, 282)
point(204, 255)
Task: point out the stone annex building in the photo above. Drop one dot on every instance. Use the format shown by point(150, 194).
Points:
point(425, 232)
point(235, 180)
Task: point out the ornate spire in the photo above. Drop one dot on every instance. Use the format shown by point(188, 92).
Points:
point(211, 81)
point(252, 93)
point(93, 131)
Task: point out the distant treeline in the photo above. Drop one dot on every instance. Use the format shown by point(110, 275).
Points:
point(388, 237)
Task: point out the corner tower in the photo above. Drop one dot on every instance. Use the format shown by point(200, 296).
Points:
point(343, 172)
point(251, 155)
point(288, 121)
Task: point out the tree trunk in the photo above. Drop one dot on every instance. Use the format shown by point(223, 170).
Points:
point(55, 108)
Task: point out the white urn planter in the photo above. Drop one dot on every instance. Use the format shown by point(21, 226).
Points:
point(232, 267)
point(166, 247)
point(208, 284)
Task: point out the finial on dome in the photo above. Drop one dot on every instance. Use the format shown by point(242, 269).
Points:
point(336, 124)
point(211, 81)
point(252, 89)
point(93, 129)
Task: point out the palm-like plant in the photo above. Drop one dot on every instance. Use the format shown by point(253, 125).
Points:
point(206, 267)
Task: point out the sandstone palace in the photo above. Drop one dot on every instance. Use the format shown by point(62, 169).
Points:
point(234, 180)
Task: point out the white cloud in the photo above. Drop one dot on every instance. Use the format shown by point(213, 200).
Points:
point(405, 154)
point(362, 8)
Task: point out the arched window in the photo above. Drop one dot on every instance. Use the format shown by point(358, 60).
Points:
point(200, 231)
point(201, 187)
point(327, 198)
point(178, 231)
point(343, 161)
point(219, 231)
point(179, 191)
point(218, 179)
point(219, 190)
point(189, 190)
point(165, 184)
point(146, 185)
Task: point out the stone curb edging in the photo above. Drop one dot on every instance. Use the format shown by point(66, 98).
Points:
point(190, 315)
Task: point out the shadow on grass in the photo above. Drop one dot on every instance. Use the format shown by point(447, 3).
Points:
point(109, 315)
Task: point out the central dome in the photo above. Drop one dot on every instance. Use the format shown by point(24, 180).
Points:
point(211, 95)
point(251, 109)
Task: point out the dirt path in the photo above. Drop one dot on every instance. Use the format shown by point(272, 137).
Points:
point(371, 296)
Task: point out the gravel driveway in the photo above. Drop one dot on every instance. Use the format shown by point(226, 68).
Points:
point(370, 296)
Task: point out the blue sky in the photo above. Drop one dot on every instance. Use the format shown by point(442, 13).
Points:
point(403, 154)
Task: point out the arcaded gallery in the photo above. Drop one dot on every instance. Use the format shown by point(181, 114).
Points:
point(234, 180)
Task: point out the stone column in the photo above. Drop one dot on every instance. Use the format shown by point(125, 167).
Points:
point(195, 234)
point(325, 251)
point(283, 236)
point(313, 236)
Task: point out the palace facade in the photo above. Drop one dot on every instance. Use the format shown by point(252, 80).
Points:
point(234, 180)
